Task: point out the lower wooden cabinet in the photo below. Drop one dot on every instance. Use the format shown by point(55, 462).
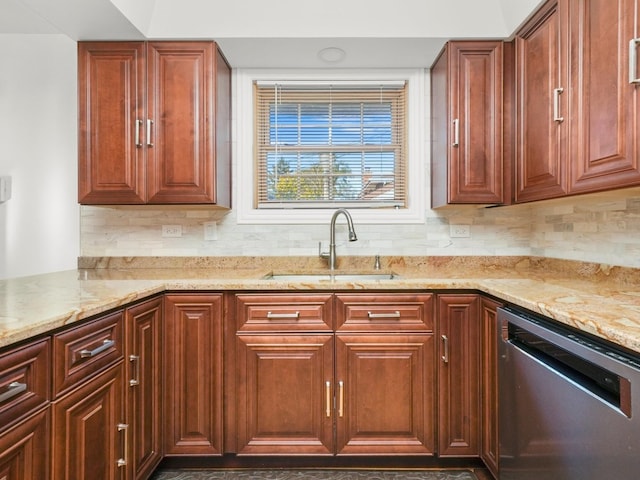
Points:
point(385, 394)
point(25, 382)
point(323, 374)
point(89, 426)
point(24, 449)
point(143, 332)
point(193, 374)
point(459, 375)
point(89, 436)
point(489, 365)
point(360, 390)
point(285, 394)
point(25, 392)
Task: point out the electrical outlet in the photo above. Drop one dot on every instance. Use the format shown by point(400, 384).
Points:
point(459, 231)
point(171, 230)
point(210, 231)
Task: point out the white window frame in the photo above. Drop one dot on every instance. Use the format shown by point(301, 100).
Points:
point(245, 175)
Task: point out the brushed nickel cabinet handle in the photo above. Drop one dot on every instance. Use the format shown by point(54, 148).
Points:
point(556, 104)
point(456, 132)
point(276, 316)
point(633, 60)
point(327, 387)
point(137, 132)
point(13, 389)
point(445, 349)
point(373, 315)
point(341, 398)
point(107, 344)
point(135, 359)
point(123, 427)
point(149, 125)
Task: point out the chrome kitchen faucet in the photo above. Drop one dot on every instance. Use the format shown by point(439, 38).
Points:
point(331, 255)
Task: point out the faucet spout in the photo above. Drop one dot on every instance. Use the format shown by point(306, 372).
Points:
point(332, 236)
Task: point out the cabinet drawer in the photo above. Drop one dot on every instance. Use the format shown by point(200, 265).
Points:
point(384, 312)
point(284, 312)
point(83, 351)
point(25, 381)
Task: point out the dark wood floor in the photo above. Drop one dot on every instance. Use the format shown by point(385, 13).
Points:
point(345, 463)
point(483, 474)
point(321, 474)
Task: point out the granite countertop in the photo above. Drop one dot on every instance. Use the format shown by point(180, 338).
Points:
point(599, 299)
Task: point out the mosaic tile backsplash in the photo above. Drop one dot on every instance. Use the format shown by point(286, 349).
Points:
point(601, 228)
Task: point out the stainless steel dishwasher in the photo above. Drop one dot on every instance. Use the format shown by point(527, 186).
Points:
point(568, 403)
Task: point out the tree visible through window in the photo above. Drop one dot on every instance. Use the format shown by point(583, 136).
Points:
point(330, 145)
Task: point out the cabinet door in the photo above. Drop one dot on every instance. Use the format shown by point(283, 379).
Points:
point(193, 374)
point(110, 100)
point(180, 101)
point(144, 349)
point(24, 452)
point(459, 375)
point(467, 126)
point(385, 386)
point(489, 389)
point(285, 394)
point(89, 433)
point(604, 116)
point(540, 85)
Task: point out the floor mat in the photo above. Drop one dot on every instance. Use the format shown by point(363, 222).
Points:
point(315, 474)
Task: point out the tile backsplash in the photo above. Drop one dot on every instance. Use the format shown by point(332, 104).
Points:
point(601, 228)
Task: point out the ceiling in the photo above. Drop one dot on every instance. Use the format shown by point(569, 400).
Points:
point(280, 33)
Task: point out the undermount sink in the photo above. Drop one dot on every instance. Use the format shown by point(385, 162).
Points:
point(330, 277)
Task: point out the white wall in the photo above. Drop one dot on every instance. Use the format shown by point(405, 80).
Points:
point(39, 225)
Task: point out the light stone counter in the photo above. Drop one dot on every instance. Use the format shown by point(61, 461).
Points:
point(601, 300)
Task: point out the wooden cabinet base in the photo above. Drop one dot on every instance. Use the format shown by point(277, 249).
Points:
point(89, 438)
point(385, 394)
point(24, 452)
point(193, 374)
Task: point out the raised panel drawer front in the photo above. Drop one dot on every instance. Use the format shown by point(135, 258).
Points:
point(384, 312)
point(25, 381)
point(81, 352)
point(284, 312)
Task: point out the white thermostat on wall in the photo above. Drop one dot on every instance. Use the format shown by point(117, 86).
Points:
point(5, 188)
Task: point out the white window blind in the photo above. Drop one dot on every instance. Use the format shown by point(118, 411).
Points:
point(328, 145)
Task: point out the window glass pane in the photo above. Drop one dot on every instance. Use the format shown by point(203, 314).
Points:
point(339, 149)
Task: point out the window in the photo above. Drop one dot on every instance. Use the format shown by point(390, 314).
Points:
point(321, 167)
point(330, 145)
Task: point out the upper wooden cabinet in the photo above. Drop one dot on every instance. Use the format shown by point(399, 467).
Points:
point(604, 104)
point(540, 82)
point(467, 146)
point(154, 123)
point(576, 107)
